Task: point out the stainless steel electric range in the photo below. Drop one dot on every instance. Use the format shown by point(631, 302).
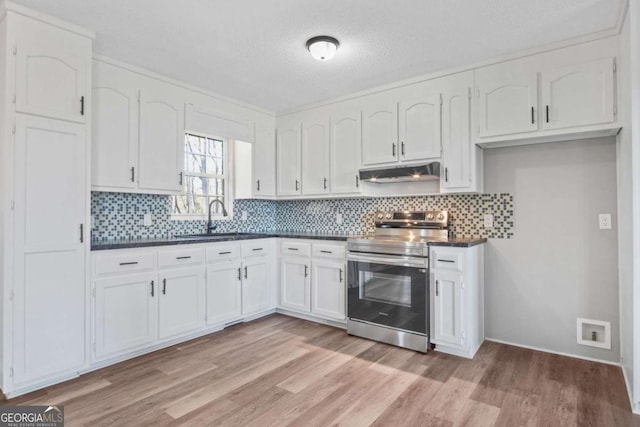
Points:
point(388, 278)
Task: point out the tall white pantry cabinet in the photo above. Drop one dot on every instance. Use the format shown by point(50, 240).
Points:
point(45, 78)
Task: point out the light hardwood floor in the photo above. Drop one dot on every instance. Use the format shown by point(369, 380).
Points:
point(284, 371)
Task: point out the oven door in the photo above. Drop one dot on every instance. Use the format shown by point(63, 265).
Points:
point(389, 290)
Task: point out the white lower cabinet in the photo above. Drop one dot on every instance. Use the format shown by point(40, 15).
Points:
point(181, 301)
point(224, 293)
point(126, 313)
point(256, 292)
point(328, 289)
point(457, 299)
point(294, 285)
point(313, 282)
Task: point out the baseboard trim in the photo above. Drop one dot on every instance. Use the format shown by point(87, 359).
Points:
point(544, 350)
point(635, 408)
point(312, 318)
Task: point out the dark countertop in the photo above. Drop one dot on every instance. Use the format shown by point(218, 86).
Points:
point(100, 245)
point(461, 242)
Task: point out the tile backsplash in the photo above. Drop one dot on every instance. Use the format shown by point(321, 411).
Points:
point(121, 215)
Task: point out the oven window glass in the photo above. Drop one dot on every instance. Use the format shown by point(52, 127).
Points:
point(384, 287)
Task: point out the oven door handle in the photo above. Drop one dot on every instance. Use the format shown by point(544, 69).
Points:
point(387, 260)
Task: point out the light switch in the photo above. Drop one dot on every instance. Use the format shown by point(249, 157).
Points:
point(147, 220)
point(604, 221)
point(488, 221)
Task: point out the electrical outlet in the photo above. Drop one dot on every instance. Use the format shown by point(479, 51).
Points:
point(93, 222)
point(245, 216)
point(338, 218)
point(604, 221)
point(488, 221)
point(147, 220)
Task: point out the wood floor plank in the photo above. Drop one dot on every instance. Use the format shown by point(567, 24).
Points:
point(284, 371)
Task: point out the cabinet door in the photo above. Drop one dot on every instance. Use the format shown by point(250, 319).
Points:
point(294, 290)
point(51, 70)
point(288, 167)
point(578, 95)
point(346, 147)
point(507, 102)
point(49, 253)
point(315, 157)
point(256, 296)
point(114, 127)
point(181, 306)
point(126, 313)
point(224, 293)
point(448, 308)
point(420, 128)
point(161, 152)
point(328, 289)
point(456, 141)
point(264, 162)
point(380, 134)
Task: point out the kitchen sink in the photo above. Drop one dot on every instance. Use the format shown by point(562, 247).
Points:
point(213, 235)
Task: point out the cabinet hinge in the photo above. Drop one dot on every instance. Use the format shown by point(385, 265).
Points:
point(11, 372)
point(11, 296)
point(615, 66)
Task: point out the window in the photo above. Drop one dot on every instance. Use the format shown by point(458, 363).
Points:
point(206, 176)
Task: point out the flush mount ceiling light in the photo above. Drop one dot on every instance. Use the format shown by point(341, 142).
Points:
point(323, 48)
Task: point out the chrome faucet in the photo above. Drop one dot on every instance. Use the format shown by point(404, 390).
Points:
point(210, 226)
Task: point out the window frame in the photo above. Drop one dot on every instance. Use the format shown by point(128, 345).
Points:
point(228, 198)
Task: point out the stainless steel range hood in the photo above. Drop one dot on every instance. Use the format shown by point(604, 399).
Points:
point(425, 172)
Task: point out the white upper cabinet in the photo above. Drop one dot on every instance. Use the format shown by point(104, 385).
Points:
point(419, 128)
point(51, 70)
point(315, 156)
point(161, 150)
point(288, 158)
point(380, 134)
point(264, 161)
point(507, 101)
point(115, 128)
point(458, 160)
point(578, 95)
point(346, 152)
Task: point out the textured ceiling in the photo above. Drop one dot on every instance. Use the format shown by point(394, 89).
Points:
point(254, 50)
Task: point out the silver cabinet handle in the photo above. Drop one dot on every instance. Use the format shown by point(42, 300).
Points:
point(152, 285)
point(181, 177)
point(257, 249)
point(437, 288)
point(81, 233)
point(246, 273)
point(164, 286)
point(357, 181)
point(340, 275)
point(306, 270)
point(224, 253)
point(446, 174)
point(297, 185)
point(393, 149)
point(239, 273)
point(129, 263)
point(258, 185)
point(533, 117)
point(547, 108)
point(446, 260)
point(183, 257)
point(133, 173)
point(402, 148)
point(325, 183)
point(292, 249)
point(82, 105)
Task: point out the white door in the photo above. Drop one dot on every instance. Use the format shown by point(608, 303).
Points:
point(264, 162)
point(380, 134)
point(182, 300)
point(255, 285)
point(507, 102)
point(328, 289)
point(295, 284)
point(161, 151)
point(419, 127)
point(126, 313)
point(49, 252)
point(315, 157)
point(448, 308)
point(224, 293)
point(456, 141)
point(51, 70)
point(346, 147)
point(579, 95)
point(114, 143)
point(288, 154)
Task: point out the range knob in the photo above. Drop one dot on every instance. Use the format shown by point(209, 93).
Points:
point(380, 215)
point(440, 216)
point(430, 216)
point(387, 215)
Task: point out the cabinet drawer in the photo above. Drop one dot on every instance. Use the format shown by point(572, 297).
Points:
point(446, 260)
point(124, 262)
point(255, 248)
point(178, 257)
point(328, 251)
point(295, 248)
point(223, 252)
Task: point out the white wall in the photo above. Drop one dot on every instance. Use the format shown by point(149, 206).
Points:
point(559, 266)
